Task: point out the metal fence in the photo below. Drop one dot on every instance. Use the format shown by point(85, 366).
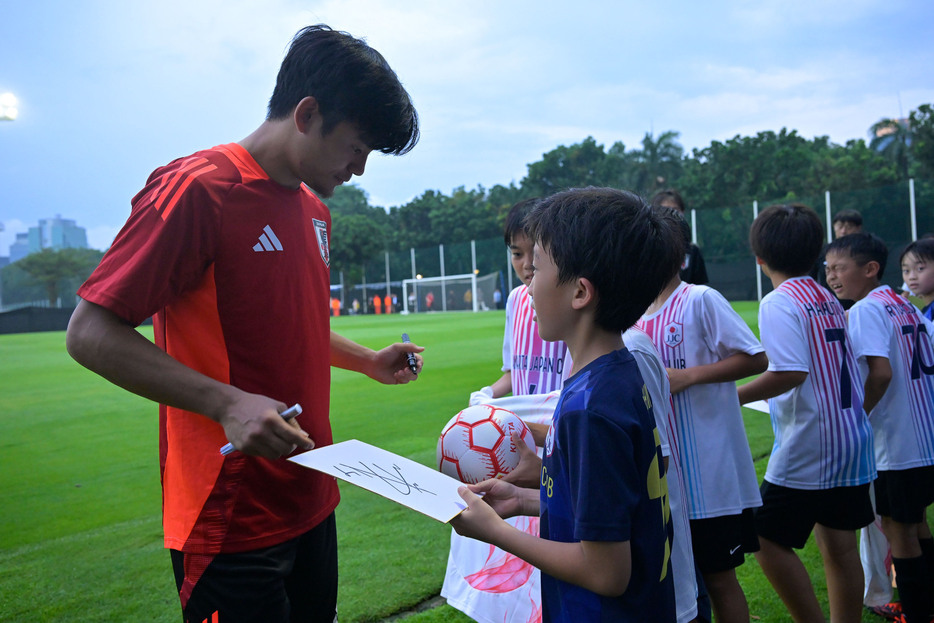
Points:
point(898, 214)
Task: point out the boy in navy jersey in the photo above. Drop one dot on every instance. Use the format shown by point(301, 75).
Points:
point(605, 524)
point(822, 463)
point(892, 344)
point(531, 366)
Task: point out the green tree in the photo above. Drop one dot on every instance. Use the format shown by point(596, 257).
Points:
point(582, 164)
point(52, 268)
point(359, 231)
point(657, 165)
point(921, 122)
point(891, 138)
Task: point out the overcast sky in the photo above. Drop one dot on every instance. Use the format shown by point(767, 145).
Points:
point(109, 90)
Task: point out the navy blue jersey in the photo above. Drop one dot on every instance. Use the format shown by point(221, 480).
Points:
point(603, 480)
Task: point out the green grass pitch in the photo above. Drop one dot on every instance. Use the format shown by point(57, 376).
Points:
point(80, 529)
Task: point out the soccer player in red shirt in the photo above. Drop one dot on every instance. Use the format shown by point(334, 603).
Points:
point(228, 251)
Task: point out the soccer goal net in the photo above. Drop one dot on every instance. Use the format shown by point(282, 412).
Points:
point(466, 292)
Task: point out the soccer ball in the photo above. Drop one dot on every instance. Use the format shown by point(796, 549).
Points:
point(475, 444)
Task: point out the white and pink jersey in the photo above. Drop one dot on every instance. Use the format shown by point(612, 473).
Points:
point(682, 557)
point(697, 326)
point(823, 438)
point(536, 365)
point(885, 324)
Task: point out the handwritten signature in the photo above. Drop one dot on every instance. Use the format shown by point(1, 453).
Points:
point(392, 477)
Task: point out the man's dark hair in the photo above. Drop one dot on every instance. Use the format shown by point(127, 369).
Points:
point(788, 238)
point(863, 248)
point(668, 195)
point(923, 248)
point(515, 218)
point(352, 82)
point(848, 216)
point(613, 239)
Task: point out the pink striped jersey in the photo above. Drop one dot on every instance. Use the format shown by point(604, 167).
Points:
point(885, 324)
point(536, 365)
point(823, 438)
point(697, 326)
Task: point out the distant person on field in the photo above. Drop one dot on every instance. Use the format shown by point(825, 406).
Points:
point(387, 304)
point(693, 269)
point(377, 304)
point(606, 533)
point(822, 462)
point(895, 352)
point(531, 366)
point(228, 251)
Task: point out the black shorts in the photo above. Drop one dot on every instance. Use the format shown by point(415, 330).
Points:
point(904, 494)
point(296, 580)
point(720, 543)
point(787, 516)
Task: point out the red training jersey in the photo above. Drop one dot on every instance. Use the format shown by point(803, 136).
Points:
point(233, 268)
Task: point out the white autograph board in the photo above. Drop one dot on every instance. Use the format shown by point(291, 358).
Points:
point(392, 476)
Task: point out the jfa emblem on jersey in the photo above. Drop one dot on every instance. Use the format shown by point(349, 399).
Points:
point(321, 232)
point(673, 334)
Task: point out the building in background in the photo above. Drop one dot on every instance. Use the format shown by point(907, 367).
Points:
point(51, 233)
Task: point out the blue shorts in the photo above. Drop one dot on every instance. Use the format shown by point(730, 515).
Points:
point(292, 581)
point(787, 516)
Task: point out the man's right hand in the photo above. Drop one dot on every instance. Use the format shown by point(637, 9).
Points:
point(253, 425)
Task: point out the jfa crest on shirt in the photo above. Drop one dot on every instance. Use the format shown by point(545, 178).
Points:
point(673, 334)
point(321, 231)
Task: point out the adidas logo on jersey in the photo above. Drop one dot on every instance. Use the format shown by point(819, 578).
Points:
point(267, 241)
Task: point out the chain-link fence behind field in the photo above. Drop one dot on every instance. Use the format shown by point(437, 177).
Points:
point(898, 214)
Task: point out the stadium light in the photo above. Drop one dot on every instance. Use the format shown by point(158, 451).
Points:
point(8, 107)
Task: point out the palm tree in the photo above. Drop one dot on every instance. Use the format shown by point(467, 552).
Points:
point(658, 164)
point(892, 139)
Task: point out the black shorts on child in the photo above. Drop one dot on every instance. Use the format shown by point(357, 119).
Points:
point(721, 543)
point(787, 516)
point(904, 494)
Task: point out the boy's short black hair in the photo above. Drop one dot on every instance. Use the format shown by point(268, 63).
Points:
point(616, 241)
point(788, 238)
point(848, 216)
point(668, 195)
point(352, 82)
point(923, 248)
point(515, 218)
point(863, 248)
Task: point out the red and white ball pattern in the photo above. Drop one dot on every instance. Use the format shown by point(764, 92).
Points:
point(475, 444)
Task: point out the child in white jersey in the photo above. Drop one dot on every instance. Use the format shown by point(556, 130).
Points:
point(918, 272)
point(822, 461)
point(476, 581)
point(706, 347)
point(896, 361)
point(530, 364)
